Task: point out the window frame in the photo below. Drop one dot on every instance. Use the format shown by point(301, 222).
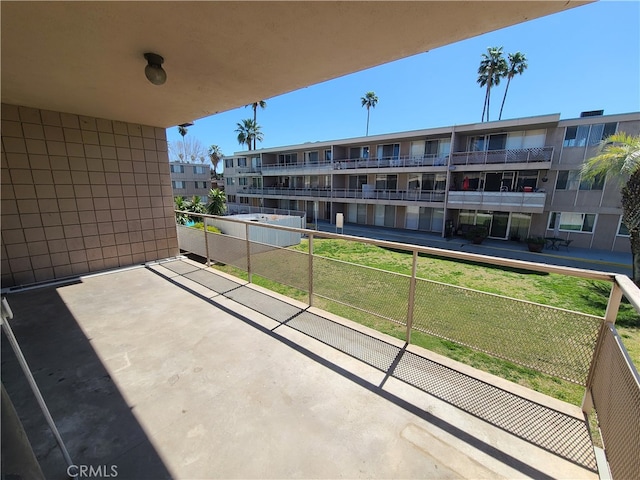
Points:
point(585, 216)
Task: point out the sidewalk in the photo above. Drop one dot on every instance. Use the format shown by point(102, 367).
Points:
point(601, 260)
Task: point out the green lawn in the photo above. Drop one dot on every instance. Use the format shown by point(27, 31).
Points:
point(469, 317)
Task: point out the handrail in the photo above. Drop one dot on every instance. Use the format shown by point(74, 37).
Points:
point(474, 257)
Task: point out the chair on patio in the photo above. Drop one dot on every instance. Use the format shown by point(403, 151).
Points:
point(565, 243)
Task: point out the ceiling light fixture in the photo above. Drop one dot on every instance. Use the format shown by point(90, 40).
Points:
point(154, 71)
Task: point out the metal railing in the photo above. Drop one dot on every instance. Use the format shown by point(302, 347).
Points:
point(392, 161)
point(373, 194)
point(520, 155)
point(577, 347)
point(238, 208)
point(460, 199)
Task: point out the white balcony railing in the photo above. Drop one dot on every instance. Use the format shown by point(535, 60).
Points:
point(521, 155)
point(532, 202)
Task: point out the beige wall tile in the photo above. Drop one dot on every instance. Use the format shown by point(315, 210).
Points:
point(70, 194)
point(32, 130)
point(53, 133)
point(29, 115)
point(50, 118)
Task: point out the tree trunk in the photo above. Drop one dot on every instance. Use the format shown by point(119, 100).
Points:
point(484, 107)
point(367, 122)
point(631, 218)
point(504, 98)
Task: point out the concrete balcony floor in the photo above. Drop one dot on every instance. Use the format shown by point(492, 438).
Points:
point(176, 371)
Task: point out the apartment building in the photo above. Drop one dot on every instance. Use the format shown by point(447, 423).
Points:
point(190, 179)
point(519, 177)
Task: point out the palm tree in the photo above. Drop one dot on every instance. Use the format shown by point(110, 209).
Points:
point(215, 155)
point(195, 205)
point(619, 157)
point(217, 202)
point(262, 104)
point(181, 204)
point(492, 68)
point(182, 130)
point(369, 100)
point(517, 65)
point(248, 132)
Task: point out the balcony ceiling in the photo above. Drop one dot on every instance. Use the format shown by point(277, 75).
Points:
point(87, 57)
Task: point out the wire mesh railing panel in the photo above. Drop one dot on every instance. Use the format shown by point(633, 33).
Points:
point(264, 304)
point(228, 250)
point(616, 396)
point(557, 342)
point(374, 291)
point(191, 240)
point(370, 350)
point(282, 265)
point(554, 431)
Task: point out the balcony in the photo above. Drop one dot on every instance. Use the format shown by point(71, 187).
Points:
point(498, 157)
point(404, 161)
point(176, 370)
point(341, 193)
point(277, 169)
point(579, 348)
point(526, 202)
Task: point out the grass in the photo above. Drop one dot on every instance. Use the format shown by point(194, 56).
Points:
point(443, 307)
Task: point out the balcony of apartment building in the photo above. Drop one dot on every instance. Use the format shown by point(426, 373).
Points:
point(393, 162)
point(536, 157)
point(508, 191)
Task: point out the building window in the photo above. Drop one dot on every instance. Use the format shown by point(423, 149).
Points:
point(386, 182)
point(242, 181)
point(572, 222)
point(177, 168)
point(201, 184)
point(231, 198)
point(199, 169)
point(242, 162)
point(328, 155)
point(582, 135)
point(434, 182)
point(244, 200)
point(288, 158)
point(228, 162)
point(177, 184)
point(568, 180)
point(623, 231)
point(596, 183)
point(230, 181)
point(389, 151)
point(488, 142)
point(311, 157)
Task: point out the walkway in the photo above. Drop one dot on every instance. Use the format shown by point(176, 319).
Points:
point(178, 371)
point(602, 260)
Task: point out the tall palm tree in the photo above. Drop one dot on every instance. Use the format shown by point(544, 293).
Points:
point(215, 155)
point(217, 202)
point(517, 65)
point(369, 100)
point(248, 132)
point(619, 157)
point(492, 68)
point(182, 130)
point(261, 103)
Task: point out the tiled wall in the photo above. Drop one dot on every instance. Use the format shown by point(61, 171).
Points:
point(81, 194)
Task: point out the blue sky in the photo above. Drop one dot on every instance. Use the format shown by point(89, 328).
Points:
point(587, 58)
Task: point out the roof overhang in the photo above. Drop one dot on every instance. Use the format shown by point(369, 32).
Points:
point(87, 57)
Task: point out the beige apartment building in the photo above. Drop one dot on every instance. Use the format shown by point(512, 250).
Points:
point(190, 179)
point(519, 177)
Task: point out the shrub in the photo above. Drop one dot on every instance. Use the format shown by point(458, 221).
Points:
point(210, 228)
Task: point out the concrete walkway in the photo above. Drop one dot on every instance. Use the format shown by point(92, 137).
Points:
point(601, 260)
point(176, 371)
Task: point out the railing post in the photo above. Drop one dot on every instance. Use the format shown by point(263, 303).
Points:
point(310, 279)
point(412, 295)
point(206, 241)
point(246, 234)
point(615, 297)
